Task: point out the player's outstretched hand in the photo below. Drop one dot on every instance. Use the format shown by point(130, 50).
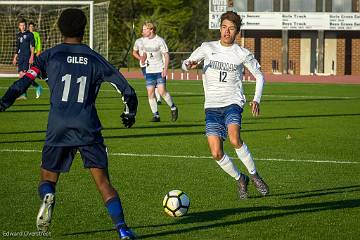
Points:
point(255, 108)
point(127, 119)
point(191, 64)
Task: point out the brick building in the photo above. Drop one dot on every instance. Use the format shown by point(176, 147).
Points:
point(303, 52)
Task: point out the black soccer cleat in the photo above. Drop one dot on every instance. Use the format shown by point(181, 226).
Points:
point(242, 186)
point(174, 114)
point(155, 119)
point(260, 185)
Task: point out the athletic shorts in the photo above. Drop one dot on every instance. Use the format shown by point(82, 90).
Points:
point(154, 79)
point(59, 159)
point(217, 119)
point(23, 64)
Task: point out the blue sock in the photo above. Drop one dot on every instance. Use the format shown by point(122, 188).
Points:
point(115, 211)
point(46, 187)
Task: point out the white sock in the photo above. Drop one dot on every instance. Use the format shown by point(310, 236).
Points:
point(245, 156)
point(153, 105)
point(168, 99)
point(157, 95)
point(228, 166)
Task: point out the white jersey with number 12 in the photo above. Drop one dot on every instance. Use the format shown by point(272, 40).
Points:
point(223, 73)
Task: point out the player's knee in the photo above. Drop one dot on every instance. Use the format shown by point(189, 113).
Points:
point(217, 154)
point(235, 142)
point(162, 93)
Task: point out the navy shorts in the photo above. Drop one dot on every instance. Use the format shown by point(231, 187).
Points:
point(23, 64)
point(217, 119)
point(154, 79)
point(59, 159)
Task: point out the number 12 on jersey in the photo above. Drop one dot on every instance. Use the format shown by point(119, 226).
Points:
point(67, 79)
point(223, 75)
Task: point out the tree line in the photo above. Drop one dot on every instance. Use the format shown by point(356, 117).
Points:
point(182, 23)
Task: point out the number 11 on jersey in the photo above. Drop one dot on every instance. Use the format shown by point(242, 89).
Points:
point(67, 79)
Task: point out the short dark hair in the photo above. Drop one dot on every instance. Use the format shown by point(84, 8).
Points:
point(32, 23)
point(72, 22)
point(233, 17)
point(22, 20)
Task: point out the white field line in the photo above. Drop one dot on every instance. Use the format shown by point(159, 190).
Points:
point(146, 155)
point(265, 95)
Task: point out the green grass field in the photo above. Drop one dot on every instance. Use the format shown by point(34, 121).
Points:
point(306, 146)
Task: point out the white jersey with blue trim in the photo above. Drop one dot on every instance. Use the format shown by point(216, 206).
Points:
point(138, 46)
point(154, 48)
point(223, 73)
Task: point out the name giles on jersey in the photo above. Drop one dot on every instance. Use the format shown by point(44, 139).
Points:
point(77, 60)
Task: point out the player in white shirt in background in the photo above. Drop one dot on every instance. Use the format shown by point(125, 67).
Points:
point(156, 59)
point(224, 62)
point(137, 53)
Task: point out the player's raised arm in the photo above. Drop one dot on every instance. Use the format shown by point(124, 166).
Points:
point(195, 58)
point(254, 67)
point(17, 88)
point(20, 86)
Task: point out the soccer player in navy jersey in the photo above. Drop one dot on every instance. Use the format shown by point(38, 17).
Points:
point(24, 56)
point(74, 74)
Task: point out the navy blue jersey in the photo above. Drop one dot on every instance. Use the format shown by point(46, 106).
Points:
point(74, 74)
point(24, 41)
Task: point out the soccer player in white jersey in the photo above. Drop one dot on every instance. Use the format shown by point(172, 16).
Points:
point(224, 61)
point(156, 59)
point(137, 53)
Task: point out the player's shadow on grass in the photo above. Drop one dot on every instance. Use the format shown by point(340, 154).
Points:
point(212, 218)
point(153, 135)
point(319, 192)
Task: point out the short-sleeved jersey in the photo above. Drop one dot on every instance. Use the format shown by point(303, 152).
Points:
point(154, 48)
point(74, 74)
point(24, 41)
point(37, 40)
point(223, 73)
point(138, 46)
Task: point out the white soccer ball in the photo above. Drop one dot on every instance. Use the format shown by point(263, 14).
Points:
point(176, 203)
